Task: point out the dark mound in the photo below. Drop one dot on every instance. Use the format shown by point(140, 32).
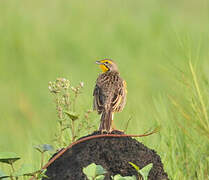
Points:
point(113, 153)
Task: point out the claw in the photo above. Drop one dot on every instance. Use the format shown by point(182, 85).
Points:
point(103, 131)
point(122, 131)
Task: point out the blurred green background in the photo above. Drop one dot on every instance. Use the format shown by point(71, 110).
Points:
point(152, 43)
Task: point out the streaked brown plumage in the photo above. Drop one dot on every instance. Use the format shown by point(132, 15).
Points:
point(109, 93)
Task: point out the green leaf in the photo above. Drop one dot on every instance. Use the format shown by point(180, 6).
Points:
point(100, 170)
point(145, 171)
point(93, 170)
point(48, 147)
point(100, 177)
point(25, 170)
point(44, 147)
point(119, 177)
point(72, 115)
point(8, 157)
point(3, 175)
point(134, 165)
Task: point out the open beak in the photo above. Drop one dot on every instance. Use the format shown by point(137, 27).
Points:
point(98, 62)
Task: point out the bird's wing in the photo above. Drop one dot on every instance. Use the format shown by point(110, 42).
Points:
point(120, 98)
point(99, 99)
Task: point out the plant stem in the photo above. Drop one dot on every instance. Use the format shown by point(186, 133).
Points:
point(42, 159)
point(11, 177)
point(13, 170)
point(73, 123)
point(61, 132)
point(67, 101)
point(74, 101)
point(73, 130)
point(127, 123)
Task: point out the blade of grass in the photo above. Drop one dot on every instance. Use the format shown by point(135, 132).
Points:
point(205, 124)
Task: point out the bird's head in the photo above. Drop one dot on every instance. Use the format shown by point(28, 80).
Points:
point(107, 65)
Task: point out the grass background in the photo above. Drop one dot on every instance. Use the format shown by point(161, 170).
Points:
point(152, 42)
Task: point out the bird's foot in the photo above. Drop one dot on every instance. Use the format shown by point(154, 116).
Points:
point(117, 131)
point(112, 131)
point(104, 131)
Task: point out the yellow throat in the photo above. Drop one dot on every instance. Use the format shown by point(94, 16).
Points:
point(102, 66)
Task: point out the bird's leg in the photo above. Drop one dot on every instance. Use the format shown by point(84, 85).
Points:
point(102, 128)
point(112, 124)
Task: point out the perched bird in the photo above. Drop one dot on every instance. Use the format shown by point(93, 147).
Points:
point(109, 93)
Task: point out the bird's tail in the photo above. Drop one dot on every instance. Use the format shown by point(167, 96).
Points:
point(106, 121)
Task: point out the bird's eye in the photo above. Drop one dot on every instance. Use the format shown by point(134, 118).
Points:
point(106, 62)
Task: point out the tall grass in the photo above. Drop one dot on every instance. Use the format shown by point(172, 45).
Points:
point(161, 48)
point(185, 130)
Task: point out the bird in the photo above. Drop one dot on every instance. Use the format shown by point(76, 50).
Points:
point(109, 94)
